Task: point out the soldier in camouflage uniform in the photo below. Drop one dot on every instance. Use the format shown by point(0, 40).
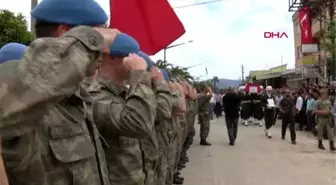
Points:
point(10, 52)
point(190, 118)
point(179, 108)
point(154, 147)
point(184, 129)
point(163, 115)
point(181, 133)
point(203, 115)
point(130, 112)
point(47, 137)
point(323, 111)
point(9, 55)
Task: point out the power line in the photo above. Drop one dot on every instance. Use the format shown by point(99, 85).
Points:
point(177, 7)
point(197, 4)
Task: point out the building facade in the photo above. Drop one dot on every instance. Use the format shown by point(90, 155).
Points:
point(313, 64)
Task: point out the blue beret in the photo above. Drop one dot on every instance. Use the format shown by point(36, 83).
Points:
point(12, 51)
point(165, 74)
point(123, 45)
point(149, 61)
point(71, 12)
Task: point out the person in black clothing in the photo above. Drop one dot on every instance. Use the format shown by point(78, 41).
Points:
point(287, 109)
point(231, 102)
point(246, 106)
point(257, 108)
point(269, 110)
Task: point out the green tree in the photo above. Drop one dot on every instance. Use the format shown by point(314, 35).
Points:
point(214, 81)
point(162, 64)
point(180, 72)
point(329, 45)
point(13, 28)
point(175, 71)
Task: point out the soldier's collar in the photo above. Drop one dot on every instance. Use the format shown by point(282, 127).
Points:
point(109, 85)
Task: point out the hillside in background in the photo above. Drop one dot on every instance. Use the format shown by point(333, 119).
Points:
point(225, 83)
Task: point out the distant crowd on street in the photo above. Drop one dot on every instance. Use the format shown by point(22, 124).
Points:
point(310, 109)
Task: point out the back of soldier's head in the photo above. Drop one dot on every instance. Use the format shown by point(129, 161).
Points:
point(55, 17)
point(10, 55)
point(11, 51)
point(204, 88)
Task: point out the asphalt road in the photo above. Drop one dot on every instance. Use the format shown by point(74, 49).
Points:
point(257, 160)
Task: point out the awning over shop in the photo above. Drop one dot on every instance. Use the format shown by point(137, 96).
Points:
point(268, 76)
point(296, 79)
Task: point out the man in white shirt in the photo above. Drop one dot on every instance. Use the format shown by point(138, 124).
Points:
point(299, 111)
point(278, 97)
point(212, 105)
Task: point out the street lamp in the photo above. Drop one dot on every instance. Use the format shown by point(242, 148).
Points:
point(189, 66)
point(173, 46)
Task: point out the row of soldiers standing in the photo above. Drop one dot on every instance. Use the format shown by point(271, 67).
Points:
point(63, 122)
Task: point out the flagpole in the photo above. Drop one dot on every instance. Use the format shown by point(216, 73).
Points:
point(173, 46)
point(164, 54)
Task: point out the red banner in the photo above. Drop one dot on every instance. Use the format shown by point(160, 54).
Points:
point(153, 23)
point(305, 26)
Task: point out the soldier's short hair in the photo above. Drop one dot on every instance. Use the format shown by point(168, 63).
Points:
point(46, 29)
point(203, 87)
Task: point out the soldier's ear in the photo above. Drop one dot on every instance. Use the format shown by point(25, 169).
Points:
point(61, 29)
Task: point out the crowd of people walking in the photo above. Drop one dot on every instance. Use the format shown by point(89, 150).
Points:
point(310, 109)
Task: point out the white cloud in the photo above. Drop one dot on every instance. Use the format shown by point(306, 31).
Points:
point(226, 35)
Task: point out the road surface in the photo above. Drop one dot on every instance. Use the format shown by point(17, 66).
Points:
point(257, 160)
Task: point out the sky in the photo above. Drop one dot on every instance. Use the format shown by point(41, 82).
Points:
point(225, 35)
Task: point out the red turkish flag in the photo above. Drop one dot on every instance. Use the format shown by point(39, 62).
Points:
point(153, 23)
point(252, 88)
point(305, 26)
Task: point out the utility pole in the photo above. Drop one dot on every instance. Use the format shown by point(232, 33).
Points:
point(33, 3)
point(242, 73)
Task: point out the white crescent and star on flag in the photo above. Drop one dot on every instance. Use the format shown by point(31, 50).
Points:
point(304, 21)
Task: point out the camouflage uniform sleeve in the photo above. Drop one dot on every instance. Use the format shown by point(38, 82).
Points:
point(136, 117)
point(163, 99)
point(51, 69)
point(206, 97)
point(175, 101)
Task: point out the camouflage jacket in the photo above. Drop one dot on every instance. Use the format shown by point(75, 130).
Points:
point(47, 138)
point(163, 112)
point(324, 105)
point(190, 110)
point(203, 101)
point(173, 124)
point(123, 117)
